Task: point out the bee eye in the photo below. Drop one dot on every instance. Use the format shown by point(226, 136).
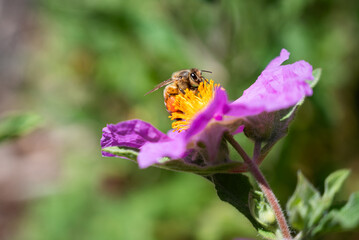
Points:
point(193, 76)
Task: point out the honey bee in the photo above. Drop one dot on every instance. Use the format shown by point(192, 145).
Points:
point(179, 82)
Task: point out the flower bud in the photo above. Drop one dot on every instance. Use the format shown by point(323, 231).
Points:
point(267, 126)
point(261, 210)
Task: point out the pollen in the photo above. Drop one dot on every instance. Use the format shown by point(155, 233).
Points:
point(191, 102)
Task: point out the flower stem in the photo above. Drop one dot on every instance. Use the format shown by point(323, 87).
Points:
point(262, 182)
point(258, 159)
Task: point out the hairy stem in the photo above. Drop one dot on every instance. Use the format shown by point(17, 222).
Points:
point(262, 182)
point(263, 152)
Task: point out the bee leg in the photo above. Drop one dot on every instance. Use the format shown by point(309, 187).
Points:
point(182, 91)
point(205, 79)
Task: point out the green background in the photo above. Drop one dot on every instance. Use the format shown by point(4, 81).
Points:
point(81, 64)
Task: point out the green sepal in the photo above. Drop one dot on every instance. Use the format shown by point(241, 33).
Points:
point(177, 164)
point(316, 74)
point(129, 153)
point(292, 110)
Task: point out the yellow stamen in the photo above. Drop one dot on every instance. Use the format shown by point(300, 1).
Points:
point(190, 103)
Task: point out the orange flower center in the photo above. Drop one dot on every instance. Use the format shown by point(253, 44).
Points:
point(187, 105)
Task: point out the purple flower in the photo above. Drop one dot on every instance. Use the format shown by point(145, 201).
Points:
point(201, 141)
point(130, 134)
point(155, 145)
point(278, 87)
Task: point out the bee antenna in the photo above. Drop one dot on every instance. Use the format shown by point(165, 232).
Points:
point(206, 71)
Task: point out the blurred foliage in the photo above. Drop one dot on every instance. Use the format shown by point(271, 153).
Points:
point(313, 213)
point(90, 62)
point(17, 124)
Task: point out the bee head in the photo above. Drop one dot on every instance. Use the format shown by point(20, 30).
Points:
point(195, 77)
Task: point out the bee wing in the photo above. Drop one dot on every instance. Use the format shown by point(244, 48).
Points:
point(164, 83)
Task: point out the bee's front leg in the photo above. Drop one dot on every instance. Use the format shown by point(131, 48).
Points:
point(182, 91)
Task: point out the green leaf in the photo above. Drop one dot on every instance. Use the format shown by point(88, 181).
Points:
point(346, 218)
point(235, 189)
point(175, 165)
point(303, 202)
point(18, 124)
point(333, 184)
point(308, 211)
